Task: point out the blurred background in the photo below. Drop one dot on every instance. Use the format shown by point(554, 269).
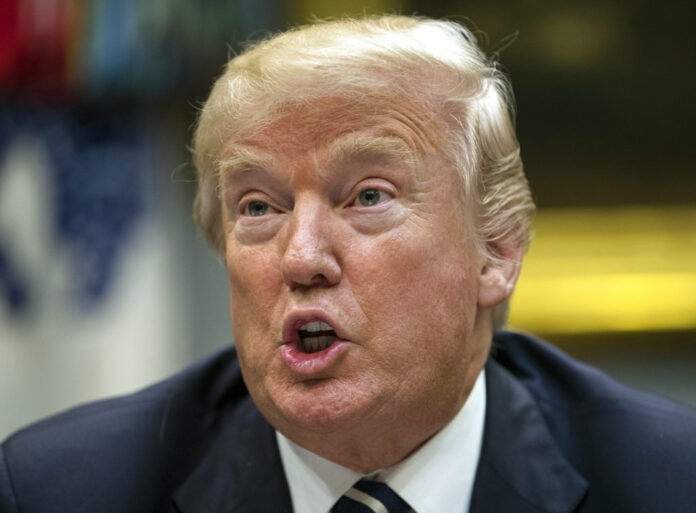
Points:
point(105, 285)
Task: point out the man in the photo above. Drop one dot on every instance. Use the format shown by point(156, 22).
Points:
point(363, 182)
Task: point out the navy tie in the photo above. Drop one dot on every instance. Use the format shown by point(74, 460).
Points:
point(371, 497)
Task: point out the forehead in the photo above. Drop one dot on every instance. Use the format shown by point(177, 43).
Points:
point(340, 125)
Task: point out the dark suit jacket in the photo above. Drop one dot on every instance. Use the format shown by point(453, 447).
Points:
point(559, 437)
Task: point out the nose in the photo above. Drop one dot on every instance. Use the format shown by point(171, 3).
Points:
point(309, 259)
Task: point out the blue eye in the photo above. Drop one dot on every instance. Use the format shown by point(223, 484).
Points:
point(257, 208)
point(369, 197)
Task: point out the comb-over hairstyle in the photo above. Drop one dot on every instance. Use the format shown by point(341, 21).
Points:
point(435, 64)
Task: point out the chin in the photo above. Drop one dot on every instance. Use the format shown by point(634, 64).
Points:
point(318, 407)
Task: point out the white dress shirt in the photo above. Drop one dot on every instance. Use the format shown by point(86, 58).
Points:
point(437, 477)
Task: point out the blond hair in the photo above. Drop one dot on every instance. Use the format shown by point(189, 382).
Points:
point(431, 62)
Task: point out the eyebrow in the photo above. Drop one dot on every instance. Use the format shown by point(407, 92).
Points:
point(351, 146)
point(242, 161)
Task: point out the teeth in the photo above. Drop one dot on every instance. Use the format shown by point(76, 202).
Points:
point(314, 344)
point(316, 326)
point(316, 336)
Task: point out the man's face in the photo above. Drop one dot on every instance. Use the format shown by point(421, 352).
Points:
point(347, 216)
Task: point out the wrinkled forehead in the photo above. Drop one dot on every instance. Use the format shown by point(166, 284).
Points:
point(299, 125)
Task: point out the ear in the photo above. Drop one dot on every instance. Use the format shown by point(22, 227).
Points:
point(497, 278)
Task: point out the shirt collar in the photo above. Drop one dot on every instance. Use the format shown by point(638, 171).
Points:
point(437, 477)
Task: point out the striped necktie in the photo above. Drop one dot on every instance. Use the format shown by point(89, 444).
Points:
point(371, 497)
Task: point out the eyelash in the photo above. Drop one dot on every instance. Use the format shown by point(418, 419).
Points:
point(384, 196)
point(244, 206)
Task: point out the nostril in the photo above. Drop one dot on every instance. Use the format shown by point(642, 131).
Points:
point(318, 280)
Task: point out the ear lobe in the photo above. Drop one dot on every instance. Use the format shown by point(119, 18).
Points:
point(497, 278)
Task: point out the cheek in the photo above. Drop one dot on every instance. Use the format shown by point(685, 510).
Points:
point(406, 278)
point(253, 273)
point(253, 279)
point(419, 296)
point(255, 283)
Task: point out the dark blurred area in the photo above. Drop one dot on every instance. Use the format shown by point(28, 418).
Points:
point(604, 92)
point(97, 103)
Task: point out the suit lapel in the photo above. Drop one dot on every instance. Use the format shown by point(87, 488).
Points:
point(521, 469)
point(241, 471)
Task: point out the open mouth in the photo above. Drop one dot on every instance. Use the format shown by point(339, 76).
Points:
point(315, 336)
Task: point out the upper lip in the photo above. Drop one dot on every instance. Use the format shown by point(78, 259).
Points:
point(298, 318)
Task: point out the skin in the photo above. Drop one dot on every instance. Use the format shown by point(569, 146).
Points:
point(401, 279)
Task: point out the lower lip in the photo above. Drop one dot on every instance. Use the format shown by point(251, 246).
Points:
point(307, 364)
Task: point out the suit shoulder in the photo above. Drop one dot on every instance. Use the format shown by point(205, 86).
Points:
point(197, 386)
point(124, 442)
point(634, 448)
point(559, 381)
